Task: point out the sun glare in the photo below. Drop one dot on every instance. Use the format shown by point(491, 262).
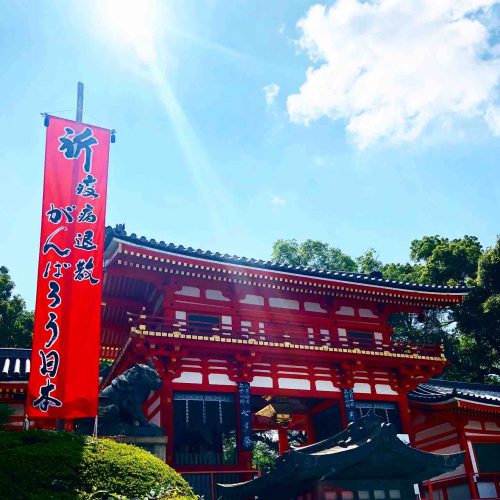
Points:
point(132, 23)
point(141, 27)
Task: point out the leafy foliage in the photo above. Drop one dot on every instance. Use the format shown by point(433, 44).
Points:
point(470, 333)
point(478, 321)
point(16, 323)
point(313, 254)
point(265, 451)
point(447, 262)
point(37, 465)
point(368, 262)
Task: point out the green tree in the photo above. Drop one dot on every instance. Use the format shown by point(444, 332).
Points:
point(447, 262)
point(16, 323)
point(368, 262)
point(312, 253)
point(470, 333)
point(265, 451)
point(478, 322)
point(441, 261)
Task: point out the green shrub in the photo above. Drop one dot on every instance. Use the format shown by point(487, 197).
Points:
point(39, 465)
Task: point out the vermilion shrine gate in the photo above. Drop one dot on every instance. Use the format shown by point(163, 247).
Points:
point(245, 346)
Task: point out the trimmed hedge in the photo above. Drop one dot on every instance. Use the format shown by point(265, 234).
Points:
point(39, 465)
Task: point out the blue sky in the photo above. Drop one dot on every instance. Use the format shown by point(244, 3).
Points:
point(390, 135)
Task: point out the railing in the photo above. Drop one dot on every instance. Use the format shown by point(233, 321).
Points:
point(283, 332)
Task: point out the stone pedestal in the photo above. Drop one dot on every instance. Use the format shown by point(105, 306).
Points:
point(156, 445)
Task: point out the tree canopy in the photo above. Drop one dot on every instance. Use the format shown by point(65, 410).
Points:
point(16, 322)
point(313, 254)
point(470, 332)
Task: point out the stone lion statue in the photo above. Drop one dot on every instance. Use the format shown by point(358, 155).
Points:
point(121, 401)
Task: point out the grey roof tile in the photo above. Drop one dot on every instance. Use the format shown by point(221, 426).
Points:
point(120, 233)
point(435, 391)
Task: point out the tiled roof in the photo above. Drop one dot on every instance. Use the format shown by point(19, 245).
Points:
point(351, 458)
point(437, 391)
point(365, 279)
point(14, 364)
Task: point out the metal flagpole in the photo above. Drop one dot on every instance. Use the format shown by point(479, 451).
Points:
point(61, 422)
point(79, 103)
point(79, 119)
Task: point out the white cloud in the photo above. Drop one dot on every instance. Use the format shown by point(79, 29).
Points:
point(271, 91)
point(391, 67)
point(493, 119)
point(276, 200)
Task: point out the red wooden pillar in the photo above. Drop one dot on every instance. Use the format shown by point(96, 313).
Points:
point(168, 304)
point(469, 470)
point(283, 445)
point(166, 406)
point(345, 381)
point(167, 418)
point(405, 415)
point(167, 393)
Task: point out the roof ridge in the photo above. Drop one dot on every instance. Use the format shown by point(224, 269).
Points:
point(456, 384)
point(373, 278)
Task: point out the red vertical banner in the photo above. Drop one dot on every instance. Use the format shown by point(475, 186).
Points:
point(65, 357)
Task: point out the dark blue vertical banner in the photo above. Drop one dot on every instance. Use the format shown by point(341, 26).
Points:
point(350, 409)
point(245, 416)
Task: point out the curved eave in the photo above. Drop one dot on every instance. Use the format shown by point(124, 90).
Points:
point(463, 403)
point(320, 461)
point(141, 254)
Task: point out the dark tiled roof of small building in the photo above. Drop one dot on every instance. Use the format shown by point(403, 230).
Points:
point(14, 364)
point(365, 279)
point(347, 458)
point(437, 391)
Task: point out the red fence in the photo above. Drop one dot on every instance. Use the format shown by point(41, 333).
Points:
point(282, 332)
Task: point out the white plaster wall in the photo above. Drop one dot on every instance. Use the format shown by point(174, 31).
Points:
point(255, 300)
point(345, 311)
point(219, 379)
point(262, 382)
point(189, 378)
point(326, 385)
point(473, 424)
point(156, 419)
point(314, 307)
point(362, 388)
point(188, 291)
point(491, 426)
point(283, 303)
point(367, 313)
point(293, 383)
point(384, 389)
point(216, 295)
